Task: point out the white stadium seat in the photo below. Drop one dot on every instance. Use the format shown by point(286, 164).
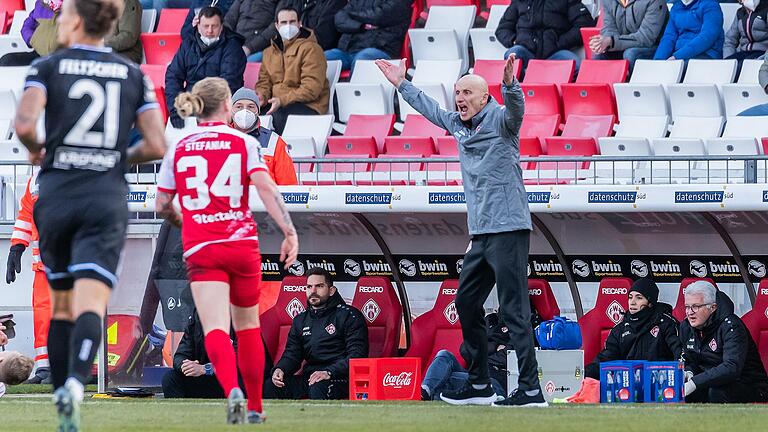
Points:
point(686, 138)
point(750, 70)
point(307, 135)
point(632, 138)
point(332, 74)
point(484, 43)
point(368, 92)
point(739, 97)
point(729, 14)
point(18, 22)
point(148, 20)
point(699, 94)
point(445, 36)
point(12, 44)
point(29, 5)
point(645, 94)
point(436, 78)
point(8, 100)
point(741, 137)
point(13, 78)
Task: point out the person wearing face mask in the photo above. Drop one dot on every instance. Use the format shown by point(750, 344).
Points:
point(292, 75)
point(694, 30)
point(747, 37)
point(214, 51)
point(647, 332)
point(274, 150)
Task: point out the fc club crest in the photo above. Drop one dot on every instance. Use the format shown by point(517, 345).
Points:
point(615, 311)
point(713, 345)
point(450, 313)
point(655, 331)
point(371, 310)
point(294, 308)
point(330, 328)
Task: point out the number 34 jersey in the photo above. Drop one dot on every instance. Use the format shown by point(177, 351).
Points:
point(93, 97)
point(210, 170)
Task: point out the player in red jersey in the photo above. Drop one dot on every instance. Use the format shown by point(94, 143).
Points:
point(211, 170)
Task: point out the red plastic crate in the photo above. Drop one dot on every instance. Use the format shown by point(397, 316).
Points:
point(386, 378)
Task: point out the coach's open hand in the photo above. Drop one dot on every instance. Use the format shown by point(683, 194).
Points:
point(394, 74)
point(509, 69)
point(318, 376)
point(277, 378)
point(192, 368)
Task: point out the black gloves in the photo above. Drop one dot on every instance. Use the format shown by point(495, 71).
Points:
point(14, 262)
point(177, 122)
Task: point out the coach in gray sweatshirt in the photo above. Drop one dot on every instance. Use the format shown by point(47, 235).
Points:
point(499, 224)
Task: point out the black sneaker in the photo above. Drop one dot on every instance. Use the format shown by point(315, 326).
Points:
point(468, 395)
point(425, 396)
point(520, 399)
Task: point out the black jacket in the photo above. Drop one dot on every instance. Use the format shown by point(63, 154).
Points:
point(326, 339)
point(651, 334)
point(544, 26)
point(192, 344)
point(254, 20)
point(723, 351)
point(391, 17)
point(319, 15)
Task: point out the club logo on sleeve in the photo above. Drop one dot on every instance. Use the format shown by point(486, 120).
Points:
point(713, 345)
point(655, 331)
point(371, 310)
point(451, 314)
point(294, 308)
point(330, 328)
point(615, 311)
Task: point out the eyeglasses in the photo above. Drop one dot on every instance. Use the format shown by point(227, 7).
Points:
point(695, 307)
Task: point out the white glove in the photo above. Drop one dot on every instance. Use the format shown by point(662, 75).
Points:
point(688, 376)
point(689, 388)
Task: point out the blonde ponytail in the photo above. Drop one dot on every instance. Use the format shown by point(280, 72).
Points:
point(188, 104)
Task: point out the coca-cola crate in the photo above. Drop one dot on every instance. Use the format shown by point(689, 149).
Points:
point(385, 378)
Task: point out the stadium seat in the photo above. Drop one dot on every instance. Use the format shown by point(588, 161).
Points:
point(376, 127)
point(357, 145)
point(543, 299)
point(406, 170)
point(438, 328)
point(17, 22)
point(407, 146)
point(442, 171)
point(679, 311)
point(346, 168)
point(156, 73)
point(332, 74)
point(171, 20)
point(160, 48)
point(579, 138)
point(148, 20)
point(729, 14)
point(610, 305)
point(307, 135)
point(29, 5)
point(541, 85)
point(12, 44)
point(376, 298)
point(9, 7)
point(699, 94)
point(368, 92)
point(633, 135)
point(685, 138)
point(276, 321)
point(436, 79)
point(493, 72)
point(592, 93)
point(251, 74)
point(485, 46)
point(534, 129)
point(418, 125)
point(586, 34)
point(741, 137)
point(445, 36)
point(756, 321)
point(13, 78)
point(750, 69)
point(646, 92)
point(739, 97)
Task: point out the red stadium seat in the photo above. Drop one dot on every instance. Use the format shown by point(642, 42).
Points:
point(679, 311)
point(344, 145)
point(276, 321)
point(543, 299)
point(376, 126)
point(541, 85)
point(439, 328)
point(756, 321)
point(592, 93)
point(375, 297)
point(251, 74)
point(447, 146)
point(579, 138)
point(417, 125)
point(8, 7)
point(488, 3)
point(399, 166)
point(409, 145)
point(586, 34)
point(493, 72)
point(171, 20)
point(159, 48)
point(610, 306)
point(347, 167)
point(532, 133)
point(156, 73)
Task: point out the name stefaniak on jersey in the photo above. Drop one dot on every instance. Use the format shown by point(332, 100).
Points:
point(207, 145)
point(93, 68)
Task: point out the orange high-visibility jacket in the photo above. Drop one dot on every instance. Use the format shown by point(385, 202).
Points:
point(24, 231)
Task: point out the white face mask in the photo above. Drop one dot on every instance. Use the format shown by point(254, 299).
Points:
point(209, 41)
point(288, 31)
point(750, 4)
point(245, 119)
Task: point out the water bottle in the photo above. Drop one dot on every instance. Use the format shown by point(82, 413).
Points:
point(662, 378)
point(609, 387)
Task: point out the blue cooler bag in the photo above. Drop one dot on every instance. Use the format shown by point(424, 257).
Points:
point(559, 333)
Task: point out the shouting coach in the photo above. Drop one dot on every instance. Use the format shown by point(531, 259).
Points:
point(499, 225)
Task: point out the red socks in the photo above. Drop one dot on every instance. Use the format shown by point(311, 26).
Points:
point(222, 355)
point(250, 356)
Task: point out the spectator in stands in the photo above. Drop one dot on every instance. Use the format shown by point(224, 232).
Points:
point(125, 39)
point(647, 332)
point(721, 360)
point(547, 29)
point(39, 32)
point(694, 30)
point(245, 118)
point(253, 20)
point(631, 30)
point(446, 373)
point(323, 338)
point(196, 6)
point(762, 109)
point(213, 52)
point(318, 16)
point(370, 30)
point(747, 37)
point(292, 77)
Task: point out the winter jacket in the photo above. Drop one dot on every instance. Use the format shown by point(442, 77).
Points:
point(41, 12)
point(295, 72)
point(318, 16)
point(274, 150)
point(125, 39)
point(489, 152)
point(192, 344)
point(748, 32)
point(325, 339)
point(544, 26)
point(639, 24)
point(223, 6)
point(194, 61)
point(254, 20)
point(722, 352)
point(390, 17)
point(651, 334)
point(692, 31)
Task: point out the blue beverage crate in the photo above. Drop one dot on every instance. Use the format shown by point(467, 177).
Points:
point(663, 382)
point(621, 381)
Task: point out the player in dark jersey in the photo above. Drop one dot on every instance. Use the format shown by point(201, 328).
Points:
point(92, 99)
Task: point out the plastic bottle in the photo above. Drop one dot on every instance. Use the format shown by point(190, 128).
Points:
point(609, 387)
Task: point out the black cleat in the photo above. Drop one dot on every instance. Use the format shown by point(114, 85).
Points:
point(520, 399)
point(468, 395)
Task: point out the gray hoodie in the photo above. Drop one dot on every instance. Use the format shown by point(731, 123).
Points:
point(489, 152)
point(638, 25)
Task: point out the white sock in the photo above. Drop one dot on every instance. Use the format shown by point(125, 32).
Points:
point(76, 387)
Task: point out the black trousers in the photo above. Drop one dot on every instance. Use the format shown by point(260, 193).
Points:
point(735, 392)
point(280, 117)
point(177, 385)
point(297, 387)
point(500, 258)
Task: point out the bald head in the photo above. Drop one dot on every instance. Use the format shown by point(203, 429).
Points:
point(471, 95)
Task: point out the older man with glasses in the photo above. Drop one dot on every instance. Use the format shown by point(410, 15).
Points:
point(722, 364)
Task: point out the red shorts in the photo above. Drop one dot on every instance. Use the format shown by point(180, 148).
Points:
point(237, 263)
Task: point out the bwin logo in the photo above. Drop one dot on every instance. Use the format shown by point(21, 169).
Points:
point(407, 267)
point(639, 268)
point(580, 268)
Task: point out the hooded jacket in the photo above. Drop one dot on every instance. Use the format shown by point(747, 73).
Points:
point(639, 24)
point(326, 339)
point(748, 32)
point(295, 72)
point(693, 30)
point(650, 334)
point(722, 351)
point(390, 17)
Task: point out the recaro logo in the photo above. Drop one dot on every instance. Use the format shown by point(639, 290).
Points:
point(614, 291)
point(367, 289)
point(534, 292)
point(294, 288)
point(450, 291)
